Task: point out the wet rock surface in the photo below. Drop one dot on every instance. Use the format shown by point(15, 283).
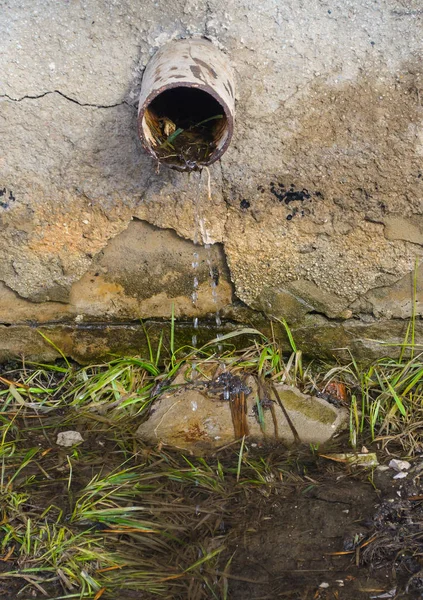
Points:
point(88, 341)
point(141, 273)
point(202, 415)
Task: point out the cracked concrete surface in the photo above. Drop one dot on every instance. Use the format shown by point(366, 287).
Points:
point(317, 204)
point(63, 96)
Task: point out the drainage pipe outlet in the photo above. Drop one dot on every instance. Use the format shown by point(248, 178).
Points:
point(187, 104)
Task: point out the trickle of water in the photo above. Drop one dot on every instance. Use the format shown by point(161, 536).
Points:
point(213, 285)
point(195, 265)
point(200, 230)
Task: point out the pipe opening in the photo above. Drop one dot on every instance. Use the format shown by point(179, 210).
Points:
point(186, 127)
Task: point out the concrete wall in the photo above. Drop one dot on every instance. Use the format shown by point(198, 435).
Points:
point(316, 212)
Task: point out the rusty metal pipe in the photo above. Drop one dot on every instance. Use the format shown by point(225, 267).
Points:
point(187, 104)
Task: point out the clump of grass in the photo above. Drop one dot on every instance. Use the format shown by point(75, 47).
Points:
point(387, 396)
point(150, 523)
point(387, 400)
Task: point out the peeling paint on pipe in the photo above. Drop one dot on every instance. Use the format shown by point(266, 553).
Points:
point(184, 77)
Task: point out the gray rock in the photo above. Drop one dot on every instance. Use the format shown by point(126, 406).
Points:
point(68, 439)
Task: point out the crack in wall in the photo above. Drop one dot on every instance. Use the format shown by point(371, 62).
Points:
point(69, 98)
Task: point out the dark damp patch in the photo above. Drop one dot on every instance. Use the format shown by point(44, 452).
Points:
point(228, 385)
point(244, 204)
point(290, 194)
point(6, 197)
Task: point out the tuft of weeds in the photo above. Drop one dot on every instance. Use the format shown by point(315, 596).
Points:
point(387, 396)
point(387, 400)
point(152, 524)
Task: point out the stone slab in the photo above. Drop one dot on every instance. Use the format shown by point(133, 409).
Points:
point(194, 420)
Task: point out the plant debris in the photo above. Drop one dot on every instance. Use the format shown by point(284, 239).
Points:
point(186, 143)
point(358, 459)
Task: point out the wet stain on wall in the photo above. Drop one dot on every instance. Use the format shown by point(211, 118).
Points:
point(6, 198)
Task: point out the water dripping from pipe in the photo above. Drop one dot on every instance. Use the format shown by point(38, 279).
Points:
point(195, 266)
point(211, 268)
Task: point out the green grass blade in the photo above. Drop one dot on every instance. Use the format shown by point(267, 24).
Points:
point(289, 334)
point(172, 331)
point(53, 345)
point(397, 399)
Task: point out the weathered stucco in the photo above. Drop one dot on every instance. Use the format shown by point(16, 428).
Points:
point(316, 206)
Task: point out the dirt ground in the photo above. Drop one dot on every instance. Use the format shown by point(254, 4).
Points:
point(313, 530)
point(351, 536)
point(303, 538)
point(289, 554)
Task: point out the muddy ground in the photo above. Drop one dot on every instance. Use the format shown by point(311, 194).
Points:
point(281, 522)
point(288, 555)
point(319, 530)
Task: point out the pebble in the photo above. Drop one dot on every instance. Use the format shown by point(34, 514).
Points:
point(400, 475)
point(69, 438)
point(399, 465)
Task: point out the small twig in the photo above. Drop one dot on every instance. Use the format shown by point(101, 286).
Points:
point(224, 447)
point(275, 421)
point(285, 412)
point(236, 578)
point(239, 415)
point(360, 547)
